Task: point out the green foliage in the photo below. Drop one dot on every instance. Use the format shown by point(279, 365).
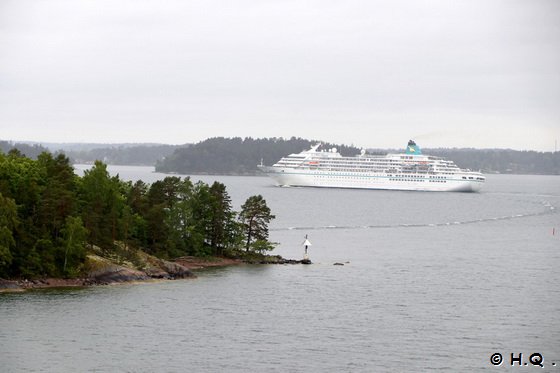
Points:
point(261, 246)
point(6, 240)
point(30, 264)
point(42, 259)
point(58, 198)
point(255, 216)
point(199, 226)
point(8, 222)
point(223, 226)
point(102, 205)
point(49, 217)
point(74, 242)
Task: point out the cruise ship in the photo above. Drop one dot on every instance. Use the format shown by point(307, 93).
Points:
point(410, 170)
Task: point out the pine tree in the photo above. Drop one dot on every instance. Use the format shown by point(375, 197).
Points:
point(8, 222)
point(222, 222)
point(255, 216)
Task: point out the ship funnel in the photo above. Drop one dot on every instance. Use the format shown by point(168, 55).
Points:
point(412, 148)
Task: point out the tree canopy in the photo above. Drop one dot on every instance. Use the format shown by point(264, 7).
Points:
point(255, 216)
point(49, 216)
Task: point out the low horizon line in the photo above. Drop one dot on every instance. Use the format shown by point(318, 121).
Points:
point(35, 142)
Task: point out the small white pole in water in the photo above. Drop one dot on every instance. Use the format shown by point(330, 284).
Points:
point(306, 243)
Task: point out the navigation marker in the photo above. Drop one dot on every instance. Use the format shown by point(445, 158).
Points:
point(306, 259)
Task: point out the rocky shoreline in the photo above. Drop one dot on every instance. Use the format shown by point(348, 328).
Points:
point(102, 271)
point(276, 259)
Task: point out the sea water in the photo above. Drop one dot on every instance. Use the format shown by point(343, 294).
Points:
point(430, 281)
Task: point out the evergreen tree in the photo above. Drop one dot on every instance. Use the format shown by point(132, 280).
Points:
point(59, 197)
point(222, 224)
point(47, 214)
point(162, 196)
point(201, 226)
point(180, 220)
point(137, 204)
point(102, 204)
point(8, 222)
point(23, 181)
point(255, 216)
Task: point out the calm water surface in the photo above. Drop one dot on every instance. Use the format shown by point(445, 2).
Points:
point(431, 281)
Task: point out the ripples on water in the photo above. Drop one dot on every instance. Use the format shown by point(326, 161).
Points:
point(431, 281)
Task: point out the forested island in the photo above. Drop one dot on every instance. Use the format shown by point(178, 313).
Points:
point(241, 157)
point(54, 223)
point(133, 155)
point(236, 156)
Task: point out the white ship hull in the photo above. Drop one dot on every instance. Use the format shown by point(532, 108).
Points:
point(406, 171)
point(322, 179)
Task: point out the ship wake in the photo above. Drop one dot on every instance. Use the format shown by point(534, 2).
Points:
point(548, 209)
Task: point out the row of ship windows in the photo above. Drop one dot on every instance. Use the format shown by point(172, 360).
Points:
point(370, 163)
point(363, 166)
point(337, 178)
point(409, 176)
point(390, 179)
point(327, 165)
point(354, 161)
point(422, 174)
point(381, 173)
point(339, 167)
point(365, 181)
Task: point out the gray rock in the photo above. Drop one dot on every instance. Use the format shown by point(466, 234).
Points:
point(176, 270)
point(118, 274)
point(7, 284)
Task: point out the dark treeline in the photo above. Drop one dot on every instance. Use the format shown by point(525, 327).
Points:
point(49, 217)
point(140, 155)
point(31, 151)
point(236, 155)
point(124, 154)
point(502, 160)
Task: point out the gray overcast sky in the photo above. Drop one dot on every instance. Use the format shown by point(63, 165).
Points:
point(466, 73)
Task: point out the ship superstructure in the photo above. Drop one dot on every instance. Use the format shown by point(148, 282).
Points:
point(410, 170)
